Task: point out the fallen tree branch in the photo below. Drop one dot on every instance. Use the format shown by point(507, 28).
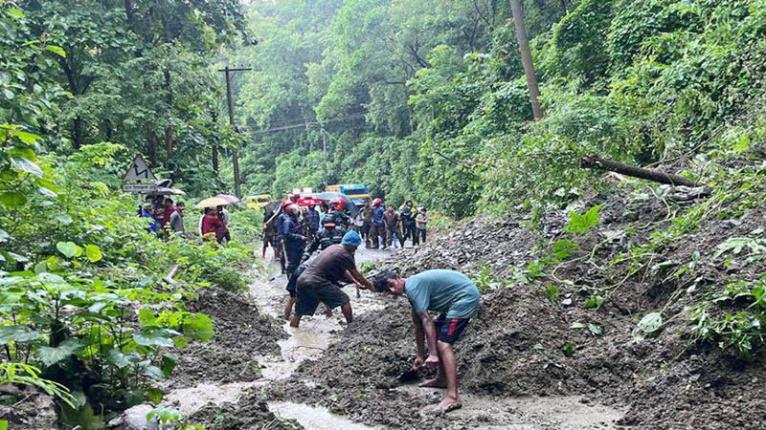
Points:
point(595, 162)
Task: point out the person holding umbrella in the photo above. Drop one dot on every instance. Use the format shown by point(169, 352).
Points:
point(211, 225)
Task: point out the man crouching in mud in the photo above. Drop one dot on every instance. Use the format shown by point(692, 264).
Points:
point(456, 298)
point(319, 282)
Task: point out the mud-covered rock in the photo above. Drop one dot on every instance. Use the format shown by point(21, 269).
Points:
point(250, 413)
point(28, 409)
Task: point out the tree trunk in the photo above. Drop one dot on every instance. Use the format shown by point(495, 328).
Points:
point(215, 159)
point(77, 134)
point(526, 59)
point(152, 140)
point(595, 162)
point(169, 101)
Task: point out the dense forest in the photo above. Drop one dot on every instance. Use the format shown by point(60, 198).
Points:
point(427, 100)
point(423, 100)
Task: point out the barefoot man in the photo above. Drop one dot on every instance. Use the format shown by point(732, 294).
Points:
point(456, 299)
point(319, 282)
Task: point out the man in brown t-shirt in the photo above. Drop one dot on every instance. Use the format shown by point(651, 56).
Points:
point(319, 282)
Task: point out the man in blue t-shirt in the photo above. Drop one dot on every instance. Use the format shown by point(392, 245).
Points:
point(456, 299)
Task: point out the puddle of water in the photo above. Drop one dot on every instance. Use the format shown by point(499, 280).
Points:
point(526, 413)
point(315, 333)
point(314, 417)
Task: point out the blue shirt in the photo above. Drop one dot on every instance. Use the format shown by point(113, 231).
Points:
point(444, 291)
point(312, 219)
point(377, 215)
point(291, 230)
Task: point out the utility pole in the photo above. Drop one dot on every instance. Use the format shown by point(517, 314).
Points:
point(324, 152)
point(526, 59)
point(230, 102)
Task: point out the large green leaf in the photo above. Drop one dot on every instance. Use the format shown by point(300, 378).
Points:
point(12, 199)
point(119, 359)
point(198, 326)
point(27, 166)
point(69, 249)
point(650, 323)
point(4, 236)
point(581, 224)
point(17, 333)
point(155, 337)
point(93, 253)
point(168, 363)
point(52, 355)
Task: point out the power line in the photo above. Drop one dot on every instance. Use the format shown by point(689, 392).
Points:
point(307, 124)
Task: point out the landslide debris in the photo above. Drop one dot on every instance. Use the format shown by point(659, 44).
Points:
point(582, 340)
point(241, 332)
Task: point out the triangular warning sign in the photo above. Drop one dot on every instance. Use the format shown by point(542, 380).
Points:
point(138, 172)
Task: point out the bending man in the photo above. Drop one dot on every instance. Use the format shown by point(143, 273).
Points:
point(319, 282)
point(456, 298)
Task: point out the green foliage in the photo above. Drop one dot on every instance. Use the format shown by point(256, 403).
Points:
point(485, 280)
point(581, 224)
point(733, 318)
point(595, 302)
point(552, 293)
point(25, 374)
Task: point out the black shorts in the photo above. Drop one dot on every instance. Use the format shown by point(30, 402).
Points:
point(450, 330)
point(311, 291)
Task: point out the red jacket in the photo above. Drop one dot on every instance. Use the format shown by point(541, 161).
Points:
point(212, 224)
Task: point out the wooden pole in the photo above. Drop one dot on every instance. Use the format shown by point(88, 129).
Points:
point(526, 59)
point(235, 151)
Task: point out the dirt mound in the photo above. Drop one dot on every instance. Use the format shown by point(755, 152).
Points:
point(241, 332)
point(577, 339)
point(27, 409)
point(250, 413)
point(471, 246)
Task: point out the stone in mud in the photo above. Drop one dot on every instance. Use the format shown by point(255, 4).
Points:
point(31, 410)
point(134, 418)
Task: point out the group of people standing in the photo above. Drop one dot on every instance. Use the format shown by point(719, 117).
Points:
point(166, 217)
point(385, 227)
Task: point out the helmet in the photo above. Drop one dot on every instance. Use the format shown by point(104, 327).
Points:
point(352, 239)
point(340, 204)
point(292, 208)
point(377, 201)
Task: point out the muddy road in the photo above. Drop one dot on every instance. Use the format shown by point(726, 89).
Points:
point(260, 373)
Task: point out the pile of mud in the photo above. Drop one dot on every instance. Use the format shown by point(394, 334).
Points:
point(27, 408)
point(241, 332)
point(525, 342)
point(250, 413)
point(475, 244)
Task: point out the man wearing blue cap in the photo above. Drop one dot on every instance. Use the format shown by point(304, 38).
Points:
point(319, 282)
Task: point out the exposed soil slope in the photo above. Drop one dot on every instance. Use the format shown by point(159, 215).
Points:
point(520, 343)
